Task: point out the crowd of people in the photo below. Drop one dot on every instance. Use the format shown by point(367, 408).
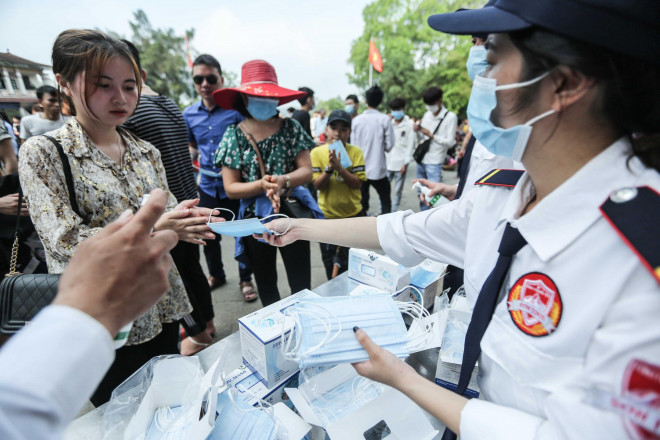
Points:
point(566, 121)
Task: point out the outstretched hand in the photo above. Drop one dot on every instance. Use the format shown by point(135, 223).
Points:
point(382, 365)
point(279, 225)
point(189, 222)
point(119, 273)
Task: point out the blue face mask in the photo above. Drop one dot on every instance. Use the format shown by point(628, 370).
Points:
point(476, 63)
point(398, 114)
point(510, 142)
point(324, 329)
point(234, 422)
point(349, 109)
point(262, 109)
point(245, 227)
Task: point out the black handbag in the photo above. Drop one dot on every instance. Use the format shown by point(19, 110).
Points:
point(289, 206)
point(424, 147)
point(22, 296)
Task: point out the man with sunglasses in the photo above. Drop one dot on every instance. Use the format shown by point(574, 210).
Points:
point(47, 120)
point(206, 125)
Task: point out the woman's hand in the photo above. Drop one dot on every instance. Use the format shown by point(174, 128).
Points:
point(189, 222)
point(9, 205)
point(382, 365)
point(272, 186)
point(443, 189)
point(280, 225)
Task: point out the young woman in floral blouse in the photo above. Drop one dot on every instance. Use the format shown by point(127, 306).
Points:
point(284, 148)
point(112, 170)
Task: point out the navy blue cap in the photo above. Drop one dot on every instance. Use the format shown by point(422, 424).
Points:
point(625, 26)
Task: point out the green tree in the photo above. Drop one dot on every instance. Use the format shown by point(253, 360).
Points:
point(415, 56)
point(331, 104)
point(163, 56)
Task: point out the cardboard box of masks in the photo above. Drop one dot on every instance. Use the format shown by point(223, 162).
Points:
point(261, 340)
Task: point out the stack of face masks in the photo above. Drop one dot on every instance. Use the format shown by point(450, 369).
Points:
point(238, 421)
point(324, 329)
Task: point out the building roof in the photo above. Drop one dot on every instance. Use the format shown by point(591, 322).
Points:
point(10, 60)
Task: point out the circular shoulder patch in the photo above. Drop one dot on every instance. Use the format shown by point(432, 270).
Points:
point(535, 305)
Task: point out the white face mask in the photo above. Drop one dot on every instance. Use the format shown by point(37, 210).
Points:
point(433, 108)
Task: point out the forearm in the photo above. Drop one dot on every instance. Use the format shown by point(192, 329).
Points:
point(243, 190)
point(8, 156)
point(351, 179)
point(322, 181)
point(300, 176)
point(358, 232)
point(441, 403)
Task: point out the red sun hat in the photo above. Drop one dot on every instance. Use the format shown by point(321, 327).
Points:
point(258, 78)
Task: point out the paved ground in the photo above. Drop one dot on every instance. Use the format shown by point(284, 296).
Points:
point(228, 301)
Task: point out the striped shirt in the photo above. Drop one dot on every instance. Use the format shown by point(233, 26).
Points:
point(158, 121)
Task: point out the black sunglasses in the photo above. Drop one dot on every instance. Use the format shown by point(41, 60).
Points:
point(211, 79)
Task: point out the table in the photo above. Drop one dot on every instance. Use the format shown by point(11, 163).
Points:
point(90, 425)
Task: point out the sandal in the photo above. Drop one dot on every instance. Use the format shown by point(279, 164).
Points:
point(249, 294)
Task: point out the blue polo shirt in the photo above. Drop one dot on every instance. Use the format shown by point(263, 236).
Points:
point(206, 128)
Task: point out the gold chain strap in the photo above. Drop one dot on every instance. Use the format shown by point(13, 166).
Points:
point(14, 259)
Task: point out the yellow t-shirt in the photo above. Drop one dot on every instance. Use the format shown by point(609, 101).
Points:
point(337, 199)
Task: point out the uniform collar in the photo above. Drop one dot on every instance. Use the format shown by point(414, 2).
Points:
point(561, 217)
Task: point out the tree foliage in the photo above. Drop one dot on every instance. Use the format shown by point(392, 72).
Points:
point(415, 56)
point(163, 56)
point(336, 103)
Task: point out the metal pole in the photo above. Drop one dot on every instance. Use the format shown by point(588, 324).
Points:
point(371, 73)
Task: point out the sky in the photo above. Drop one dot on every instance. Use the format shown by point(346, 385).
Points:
point(308, 41)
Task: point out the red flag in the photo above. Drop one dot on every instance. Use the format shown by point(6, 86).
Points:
point(374, 57)
point(190, 62)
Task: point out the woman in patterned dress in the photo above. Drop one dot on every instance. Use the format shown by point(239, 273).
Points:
point(284, 147)
point(112, 170)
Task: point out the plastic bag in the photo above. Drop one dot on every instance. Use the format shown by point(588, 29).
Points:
point(164, 396)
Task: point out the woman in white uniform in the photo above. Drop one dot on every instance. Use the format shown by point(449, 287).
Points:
point(572, 347)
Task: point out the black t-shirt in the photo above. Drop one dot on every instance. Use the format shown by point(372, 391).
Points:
point(302, 116)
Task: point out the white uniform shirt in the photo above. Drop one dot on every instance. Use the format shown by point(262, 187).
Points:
point(405, 141)
point(372, 132)
point(48, 371)
point(482, 161)
point(608, 303)
point(444, 138)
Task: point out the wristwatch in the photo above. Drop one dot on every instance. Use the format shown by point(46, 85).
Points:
point(327, 169)
point(288, 181)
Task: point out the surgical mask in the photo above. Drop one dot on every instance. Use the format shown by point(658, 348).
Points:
point(476, 63)
point(245, 227)
point(349, 109)
point(507, 142)
point(324, 328)
point(262, 109)
point(398, 114)
point(433, 108)
point(238, 421)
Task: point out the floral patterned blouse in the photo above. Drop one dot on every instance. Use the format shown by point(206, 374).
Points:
point(103, 191)
point(278, 151)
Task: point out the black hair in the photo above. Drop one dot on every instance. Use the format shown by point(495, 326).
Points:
point(354, 98)
point(4, 116)
point(397, 104)
point(432, 95)
point(291, 109)
point(240, 107)
point(629, 87)
point(208, 60)
point(46, 90)
point(374, 96)
point(134, 51)
point(309, 94)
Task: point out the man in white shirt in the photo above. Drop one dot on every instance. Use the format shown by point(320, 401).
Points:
point(439, 125)
point(373, 133)
point(47, 120)
point(49, 369)
point(400, 156)
point(321, 121)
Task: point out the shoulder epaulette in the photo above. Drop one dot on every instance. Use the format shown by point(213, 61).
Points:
point(634, 213)
point(501, 178)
